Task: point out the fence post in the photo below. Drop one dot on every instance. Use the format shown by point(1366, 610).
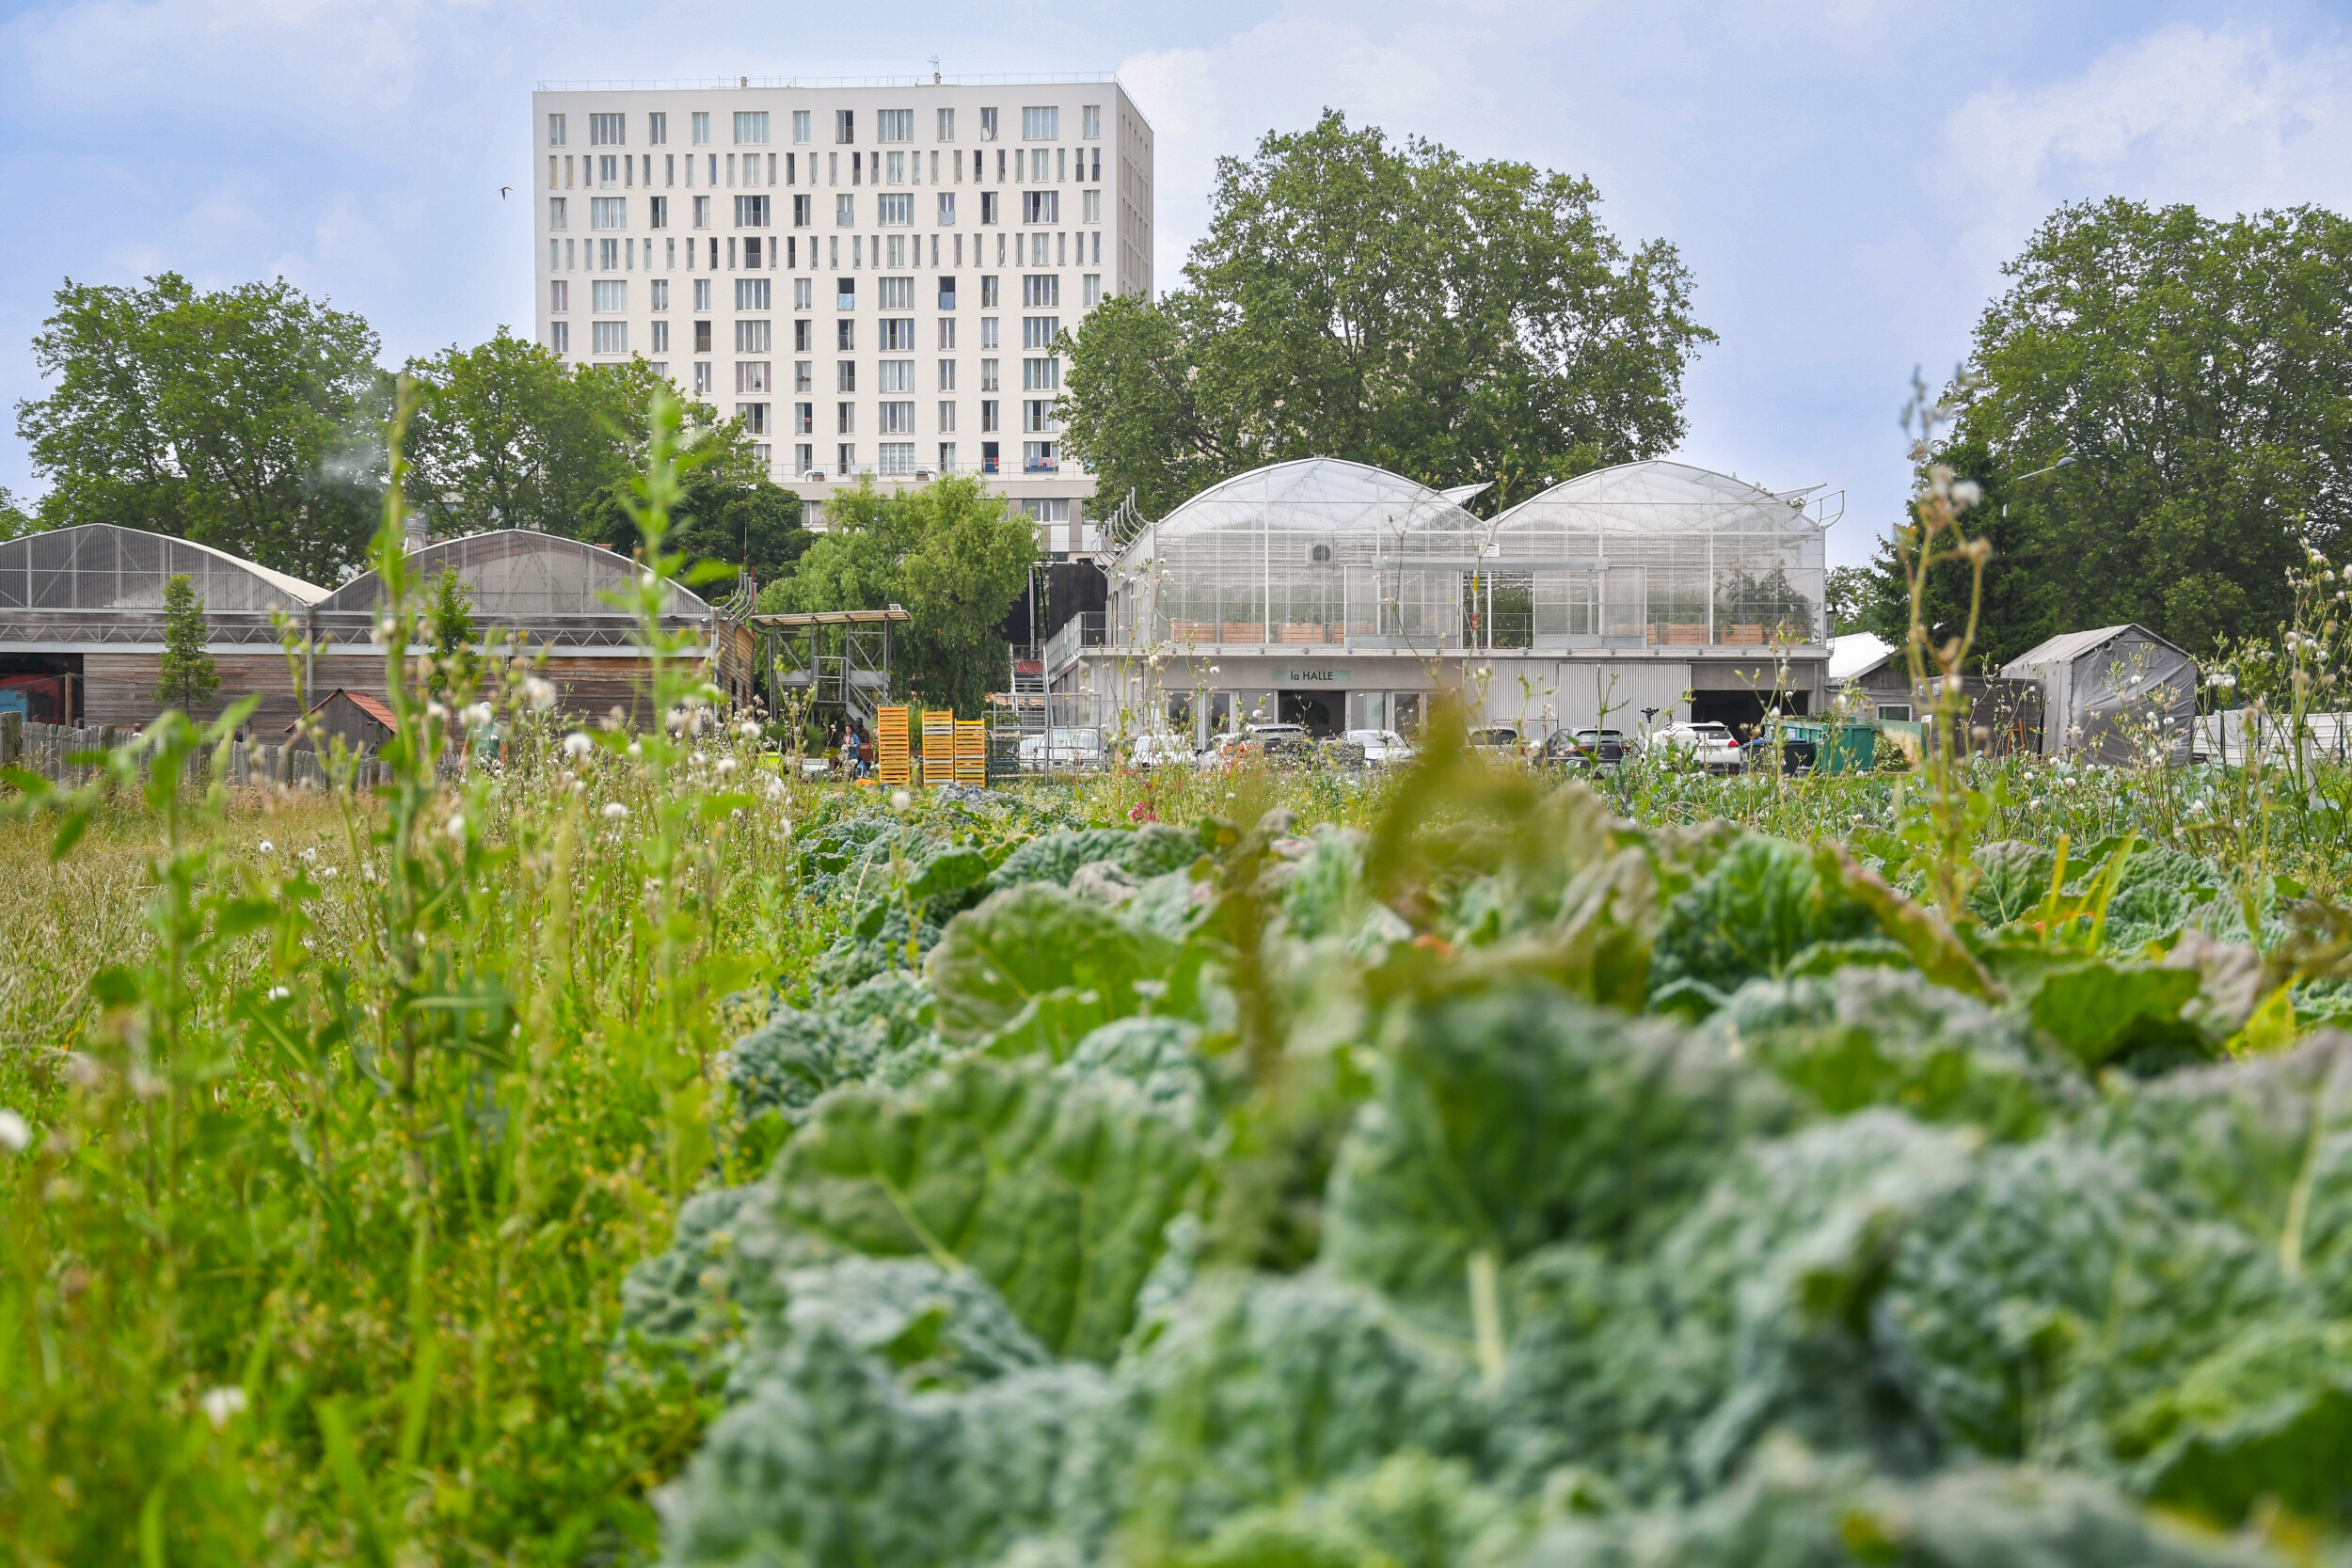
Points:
point(11, 737)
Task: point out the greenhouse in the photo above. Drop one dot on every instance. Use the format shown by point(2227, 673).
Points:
point(1339, 596)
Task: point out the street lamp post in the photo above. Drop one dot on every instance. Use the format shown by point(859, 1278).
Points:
point(2066, 462)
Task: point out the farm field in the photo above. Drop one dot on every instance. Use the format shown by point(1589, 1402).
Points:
point(594, 1160)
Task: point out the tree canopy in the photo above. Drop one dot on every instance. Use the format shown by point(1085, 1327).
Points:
point(953, 555)
point(731, 513)
point(248, 419)
point(1396, 305)
point(2198, 372)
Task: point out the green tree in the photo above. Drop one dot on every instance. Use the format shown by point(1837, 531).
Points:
point(449, 621)
point(15, 522)
point(1396, 305)
point(950, 553)
point(184, 677)
point(731, 513)
point(507, 437)
point(2199, 372)
point(248, 419)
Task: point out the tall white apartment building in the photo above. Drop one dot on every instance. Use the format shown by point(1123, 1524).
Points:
point(873, 276)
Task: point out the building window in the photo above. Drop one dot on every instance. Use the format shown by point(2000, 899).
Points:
point(662, 337)
point(1040, 375)
point(896, 211)
point(988, 375)
point(754, 418)
point(844, 456)
point(702, 378)
point(1039, 331)
point(1036, 416)
point(558, 212)
point(987, 415)
point(559, 337)
point(701, 130)
point(1091, 202)
point(844, 126)
point(845, 419)
point(800, 125)
point(751, 128)
point(844, 375)
point(845, 293)
point(946, 375)
point(609, 337)
point(947, 209)
point(1039, 457)
point(608, 296)
point(946, 417)
point(893, 126)
point(754, 336)
point(988, 125)
point(752, 375)
point(898, 375)
point(947, 458)
point(1040, 290)
point(751, 212)
point(898, 418)
point(607, 254)
point(803, 419)
point(898, 335)
point(702, 337)
point(803, 375)
point(805, 459)
point(559, 296)
point(702, 293)
point(1041, 206)
point(803, 207)
point(752, 293)
point(845, 337)
point(555, 130)
point(702, 212)
point(897, 293)
point(844, 210)
point(989, 211)
point(658, 212)
point(947, 297)
point(1040, 124)
point(607, 129)
point(1091, 122)
point(657, 130)
point(803, 334)
point(898, 458)
point(946, 125)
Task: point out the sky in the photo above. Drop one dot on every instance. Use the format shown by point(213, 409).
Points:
point(1844, 178)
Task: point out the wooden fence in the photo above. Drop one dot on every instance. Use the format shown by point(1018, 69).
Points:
point(48, 750)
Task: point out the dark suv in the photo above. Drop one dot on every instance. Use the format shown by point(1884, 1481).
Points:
point(1585, 748)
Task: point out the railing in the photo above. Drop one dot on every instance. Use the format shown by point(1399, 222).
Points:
point(737, 84)
point(1087, 629)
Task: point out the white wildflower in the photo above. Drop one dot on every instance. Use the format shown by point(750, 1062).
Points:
point(900, 800)
point(221, 1404)
point(267, 847)
point(456, 828)
point(477, 715)
point(1967, 493)
point(14, 1134)
point(726, 765)
point(578, 744)
point(539, 692)
point(435, 711)
point(636, 749)
point(279, 994)
point(614, 811)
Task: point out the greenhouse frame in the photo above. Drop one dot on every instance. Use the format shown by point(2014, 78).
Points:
point(1339, 595)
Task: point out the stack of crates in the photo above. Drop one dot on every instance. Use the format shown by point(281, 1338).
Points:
point(939, 745)
point(891, 758)
point(972, 752)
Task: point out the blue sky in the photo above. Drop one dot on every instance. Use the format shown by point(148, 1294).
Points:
point(1844, 177)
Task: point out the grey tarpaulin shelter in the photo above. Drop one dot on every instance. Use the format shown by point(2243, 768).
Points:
point(2099, 686)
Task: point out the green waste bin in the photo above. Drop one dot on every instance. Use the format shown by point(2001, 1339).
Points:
point(1852, 749)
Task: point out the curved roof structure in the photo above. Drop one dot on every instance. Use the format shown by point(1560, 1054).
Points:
point(1327, 494)
point(519, 576)
point(99, 566)
point(1660, 497)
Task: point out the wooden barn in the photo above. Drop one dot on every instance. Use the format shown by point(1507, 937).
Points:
point(82, 609)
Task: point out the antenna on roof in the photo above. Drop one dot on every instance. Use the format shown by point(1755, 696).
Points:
point(934, 71)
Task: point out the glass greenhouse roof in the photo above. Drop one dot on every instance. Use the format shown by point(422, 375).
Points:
point(519, 576)
point(99, 566)
point(1660, 497)
point(1316, 494)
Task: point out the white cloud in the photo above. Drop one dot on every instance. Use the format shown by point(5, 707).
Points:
point(2219, 118)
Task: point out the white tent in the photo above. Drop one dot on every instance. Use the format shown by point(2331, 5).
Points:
point(2105, 693)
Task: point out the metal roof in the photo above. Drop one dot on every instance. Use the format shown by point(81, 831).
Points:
point(104, 566)
point(2068, 646)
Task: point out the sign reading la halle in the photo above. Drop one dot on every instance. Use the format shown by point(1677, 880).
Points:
point(1314, 677)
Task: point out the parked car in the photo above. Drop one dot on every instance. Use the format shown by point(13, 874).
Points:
point(1502, 741)
point(1282, 743)
point(1383, 748)
point(1586, 750)
point(1342, 751)
point(1708, 746)
point(1224, 750)
point(1062, 748)
point(1160, 749)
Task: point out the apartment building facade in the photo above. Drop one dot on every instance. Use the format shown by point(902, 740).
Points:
point(873, 276)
